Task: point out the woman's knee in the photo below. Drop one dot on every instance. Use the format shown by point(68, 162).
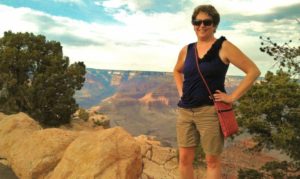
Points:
point(213, 161)
point(186, 155)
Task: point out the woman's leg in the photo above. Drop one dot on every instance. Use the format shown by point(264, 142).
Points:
point(213, 166)
point(186, 158)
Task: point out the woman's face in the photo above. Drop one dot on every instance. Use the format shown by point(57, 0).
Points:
point(203, 25)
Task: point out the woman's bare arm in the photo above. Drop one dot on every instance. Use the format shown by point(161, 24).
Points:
point(232, 54)
point(178, 70)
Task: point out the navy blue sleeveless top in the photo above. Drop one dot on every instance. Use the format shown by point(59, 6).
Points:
point(214, 71)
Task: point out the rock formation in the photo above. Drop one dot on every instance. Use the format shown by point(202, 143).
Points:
point(158, 162)
point(33, 152)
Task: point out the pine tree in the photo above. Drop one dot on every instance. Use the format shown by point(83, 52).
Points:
point(37, 79)
point(270, 111)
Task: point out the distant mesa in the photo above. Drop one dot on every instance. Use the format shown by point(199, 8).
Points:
point(149, 98)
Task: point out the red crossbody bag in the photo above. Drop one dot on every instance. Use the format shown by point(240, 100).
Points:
point(225, 111)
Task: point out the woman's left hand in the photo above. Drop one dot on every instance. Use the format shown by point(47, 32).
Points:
point(220, 96)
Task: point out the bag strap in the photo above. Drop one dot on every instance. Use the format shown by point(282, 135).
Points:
point(199, 71)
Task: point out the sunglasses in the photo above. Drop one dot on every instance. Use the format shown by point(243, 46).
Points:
point(205, 22)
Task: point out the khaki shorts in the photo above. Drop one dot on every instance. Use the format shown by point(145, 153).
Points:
point(200, 124)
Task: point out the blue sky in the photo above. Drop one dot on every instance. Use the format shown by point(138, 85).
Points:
point(148, 34)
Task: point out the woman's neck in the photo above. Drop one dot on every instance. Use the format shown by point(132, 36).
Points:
point(206, 39)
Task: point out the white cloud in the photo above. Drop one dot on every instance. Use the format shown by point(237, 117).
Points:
point(15, 21)
point(133, 5)
point(274, 29)
point(249, 7)
point(79, 2)
point(97, 3)
point(142, 41)
point(151, 45)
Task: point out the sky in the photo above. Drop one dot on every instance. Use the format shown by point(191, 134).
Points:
point(147, 35)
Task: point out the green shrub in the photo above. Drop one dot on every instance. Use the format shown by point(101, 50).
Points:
point(83, 114)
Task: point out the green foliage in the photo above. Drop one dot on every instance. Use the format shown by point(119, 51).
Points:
point(82, 114)
point(285, 56)
point(274, 169)
point(249, 174)
point(270, 111)
point(278, 169)
point(37, 79)
point(98, 123)
point(104, 123)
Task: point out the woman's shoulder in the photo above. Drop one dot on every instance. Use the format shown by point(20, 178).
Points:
point(188, 46)
point(227, 45)
point(185, 48)
point(227, 49)
point(230, 51)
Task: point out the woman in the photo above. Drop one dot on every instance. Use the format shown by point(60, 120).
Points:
point(197, 120)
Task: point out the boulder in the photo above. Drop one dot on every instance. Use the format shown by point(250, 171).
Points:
point(158, 162)
point(110, 153)
point(2, 115)
point(43, 150)
point(14, 129)
point(33, 152)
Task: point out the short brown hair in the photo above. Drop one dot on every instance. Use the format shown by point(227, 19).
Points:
point(209, 10)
